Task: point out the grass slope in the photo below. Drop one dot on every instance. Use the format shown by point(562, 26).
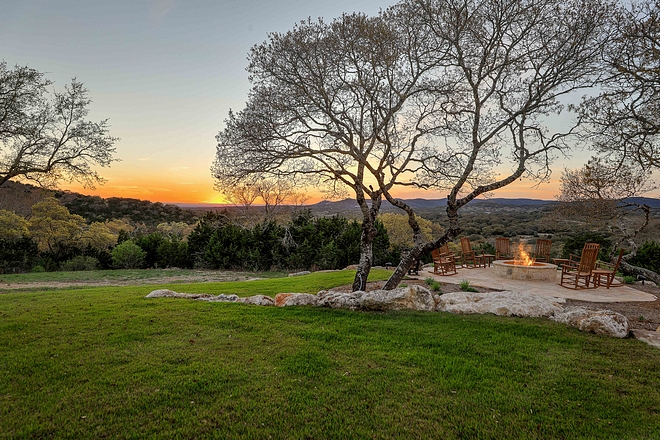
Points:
point(107, 362)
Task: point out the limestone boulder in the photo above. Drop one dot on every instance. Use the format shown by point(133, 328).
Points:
point(499, 303)
point(166, 293)
point(339, 300)
point(603, 322)
point(257, 300)
point(404, 298)
point(295, 299)
point(220, 298)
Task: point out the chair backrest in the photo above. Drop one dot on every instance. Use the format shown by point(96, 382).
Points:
point(589, 257)
point(543, 248)
point(466, 247)
point(503, 246)
point(444, 249)
point(618, 261)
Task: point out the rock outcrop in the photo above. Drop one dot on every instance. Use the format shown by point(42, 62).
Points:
point(603, 322)
point(499, 303)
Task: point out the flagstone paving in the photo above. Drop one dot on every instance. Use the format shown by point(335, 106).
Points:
point(485, 277)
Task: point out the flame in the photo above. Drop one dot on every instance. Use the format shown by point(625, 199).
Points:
point(522, 258)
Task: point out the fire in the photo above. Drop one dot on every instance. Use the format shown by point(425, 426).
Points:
point(522, 258)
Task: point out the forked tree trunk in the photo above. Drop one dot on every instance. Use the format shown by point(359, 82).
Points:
point(416, 252)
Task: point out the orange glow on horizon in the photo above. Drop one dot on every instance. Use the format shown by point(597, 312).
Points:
point(193, 189)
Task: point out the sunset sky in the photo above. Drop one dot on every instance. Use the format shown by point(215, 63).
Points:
point(165, 73)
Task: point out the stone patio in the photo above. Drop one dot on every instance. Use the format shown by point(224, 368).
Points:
point(486, 277)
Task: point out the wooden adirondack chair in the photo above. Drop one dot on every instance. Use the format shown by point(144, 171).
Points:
point(503, 248)
point(469, 256)
point(576, 273)
point(542, 251)
point(444, 261)
point(607, 270)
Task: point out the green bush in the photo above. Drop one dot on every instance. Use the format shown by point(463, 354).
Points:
point(17, 255)
point(80, 262)
point(629, 279)
point(305, 243)
point(574, 245)
point(648, 256)
point(38, 269)
point(433, 284)
point(128, 255)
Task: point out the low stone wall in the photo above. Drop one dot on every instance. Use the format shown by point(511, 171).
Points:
point(419, 298)
point(543, 272)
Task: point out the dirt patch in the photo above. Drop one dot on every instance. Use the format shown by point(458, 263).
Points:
point(201, 276)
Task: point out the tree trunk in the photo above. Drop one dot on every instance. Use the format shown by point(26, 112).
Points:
point(635, 270)
point(401, 270)
point(369, 214)
point(366, 255)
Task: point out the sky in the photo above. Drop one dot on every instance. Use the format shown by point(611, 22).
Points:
point(165, 74)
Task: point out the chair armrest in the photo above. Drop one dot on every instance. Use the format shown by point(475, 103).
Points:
point(604, 265)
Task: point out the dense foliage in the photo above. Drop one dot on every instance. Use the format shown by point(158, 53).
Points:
point(304, 243)
point(648, 256)
point(95, 208)
point(575, 244)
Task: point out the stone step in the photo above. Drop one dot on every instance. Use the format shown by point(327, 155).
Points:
point(648, 336)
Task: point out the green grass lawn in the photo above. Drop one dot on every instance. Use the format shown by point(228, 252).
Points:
point(107, 362)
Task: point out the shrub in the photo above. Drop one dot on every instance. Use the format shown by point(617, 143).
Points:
point(433, 284)
point(629, 279)
point(80, 262)
point(648, 256)
point(128, 255)
point(17, 255)
point(466, 287)
point(38, 269)
point(575, 244)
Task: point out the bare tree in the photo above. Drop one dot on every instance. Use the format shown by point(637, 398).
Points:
point(624, 119)
point(601, 192)
point(273, 194)
point(44, 136)
point(507, 64)
point(335, 106)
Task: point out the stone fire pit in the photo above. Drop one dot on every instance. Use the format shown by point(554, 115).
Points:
point(536, 272)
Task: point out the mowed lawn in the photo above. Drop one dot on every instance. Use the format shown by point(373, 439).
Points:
point(108, 362)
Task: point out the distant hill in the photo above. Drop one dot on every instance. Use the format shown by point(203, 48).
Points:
point(19, 197)
point(421, 205)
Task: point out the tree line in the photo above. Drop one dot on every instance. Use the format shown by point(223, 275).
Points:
point(52, 238)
